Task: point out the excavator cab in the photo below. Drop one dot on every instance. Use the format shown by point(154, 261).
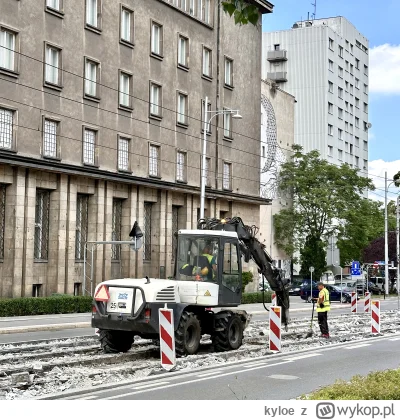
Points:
point(211, 257)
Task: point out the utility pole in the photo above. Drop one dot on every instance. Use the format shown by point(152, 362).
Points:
point(397, 248)
point(386, 242)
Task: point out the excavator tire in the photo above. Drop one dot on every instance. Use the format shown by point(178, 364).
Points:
point(228, 334)
point(116, 341)
point(188, 334)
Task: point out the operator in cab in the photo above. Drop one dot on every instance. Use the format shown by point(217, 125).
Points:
point(211, 268)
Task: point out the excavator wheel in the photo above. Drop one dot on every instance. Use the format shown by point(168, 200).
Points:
point(188, 334)
point(116, 341)
point(229, 331)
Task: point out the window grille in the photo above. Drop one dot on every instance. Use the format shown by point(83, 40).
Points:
point(41, 244)
point(153, 160)
point(50, 138)
point(116, 228)
point(123, 154)
point(2, 218)
point(147, 231)
point(88, 146)
point(82, 225)
point(6, 128)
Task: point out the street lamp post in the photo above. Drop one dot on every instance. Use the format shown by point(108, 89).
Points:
point(397, 248)
point(386, 241)
point(203, 160)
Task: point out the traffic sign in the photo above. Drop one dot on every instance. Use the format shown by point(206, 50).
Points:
point(355, 268)
point(102, 294)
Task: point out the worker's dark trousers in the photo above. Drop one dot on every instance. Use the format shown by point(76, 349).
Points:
point(323, 322)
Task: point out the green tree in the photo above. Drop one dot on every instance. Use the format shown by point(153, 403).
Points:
point(242, 11)
point(313, 254)
point(323, 196)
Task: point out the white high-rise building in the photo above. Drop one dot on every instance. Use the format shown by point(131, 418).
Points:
point(324, 64)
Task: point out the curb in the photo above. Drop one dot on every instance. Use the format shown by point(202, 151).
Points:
point(35, 328)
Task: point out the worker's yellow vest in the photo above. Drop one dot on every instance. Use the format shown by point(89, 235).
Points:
point(209, 258)
point(327, 304)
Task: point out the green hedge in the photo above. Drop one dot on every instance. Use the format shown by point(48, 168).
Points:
point(45, 305)
point(256, 297)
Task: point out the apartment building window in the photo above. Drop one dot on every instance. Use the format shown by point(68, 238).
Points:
point(41, 241)
point(365, 89)
point(89, 145)
point(365, 145)
point(331, 44)
point(351, 128)
point(357, 64)
point(8, 50)
point(50, 134)
point(357, 141)
point(357, 83)
point(54, 4)
point(346, 85)
point(182, 109)
point(330, 65)
point(207, 11)
point(330, 150)
point(6, 128)
point(351, 109)
point(183, 51)
point(357, 122)
point(227, 125)
point(208, 116)
point(340, 69)
point(365, 164)
point(340, 51)
point(357, 103)
point(227, 176)
point(330, 87)
point(347, 65)
point(340, 93)
point(365, 126)
point(93, 8)
point(351, 48)
point(365, 107)
point(207, 62)
point(2, 218)
point(346, 126)
point(347, 46)
point(175, 228)
point(365, 70)
point(36, 290)
point(340, 113)
point(228, 72)
point(330, 129)
point(116, 228)
point(340, 154)
point(123, 154)
point(351, 69)
point(357, 161)
point(346, 104)
point(127, 25)
point(82, 225)
point(154, 160)
point(53, 66)
point(340, 134)
point(330, 108)
point(181, 166)
point(155, 100)
point(125, 90)
point(351, 149)
point(92, 78)
point(156, 39)
point(148, 207)
point(351, 89)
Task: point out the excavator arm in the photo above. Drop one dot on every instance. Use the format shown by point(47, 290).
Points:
point(252, 248)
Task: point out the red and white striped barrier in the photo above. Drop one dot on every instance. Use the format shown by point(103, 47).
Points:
point(273, 299)
point(376, 317)
point(367, 302)
point(167, 338)
point(353, 302)
point(275, 328)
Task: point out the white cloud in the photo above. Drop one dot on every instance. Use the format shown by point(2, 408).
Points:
point(376, 171)
point(384, 65)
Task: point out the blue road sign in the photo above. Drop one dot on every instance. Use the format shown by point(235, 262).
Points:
point(356, 272)
point(355, 268)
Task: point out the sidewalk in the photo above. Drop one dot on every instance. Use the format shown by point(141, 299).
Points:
point(24, 324)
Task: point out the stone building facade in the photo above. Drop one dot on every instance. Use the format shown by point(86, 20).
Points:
point(101, 110)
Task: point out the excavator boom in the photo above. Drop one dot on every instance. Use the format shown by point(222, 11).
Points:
point(252, 248)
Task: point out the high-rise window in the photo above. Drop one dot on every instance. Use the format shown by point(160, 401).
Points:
point(227, 175)
point(183, 51)
point(125, 83)
point(54, 4)
point(340, 154)
point(330, 108)
point(207, 62)
point(126, 25)
point(331, 43)
point(365, 107)
point(92, 12)
point(6, 128)
point(53, 65)
point(340, 134)
point(181, 111)
point(89, 144)
point(357, 83)
point(41, 242)
point(330, 87)
point(82, 225)
point(365, 89)
point(330, 150)
point(228, 125)
point(340, 92)
point(91, 78)
point(365, 70)
point(340, 113)
point(340, 51)
point(116, 228)
point(7, 49)
point(357, 64)
point(228, 72)
point(155, 100)
point(148, 207)
point(50, 138)
point(330, 129)
point(2, 218)
point(330, 65)
point(156, 39)
point(154, 157)
point(181, 166)
point(340, 71)
point(357, 122)
point(123, 154)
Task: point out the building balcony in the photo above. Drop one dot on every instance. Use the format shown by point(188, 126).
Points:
point(277, 55)
point(278, 76)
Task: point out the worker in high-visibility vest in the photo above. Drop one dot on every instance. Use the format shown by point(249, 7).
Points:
point(211, 261)
point(323, 306)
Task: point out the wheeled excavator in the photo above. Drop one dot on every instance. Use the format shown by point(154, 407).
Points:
point(206, 286)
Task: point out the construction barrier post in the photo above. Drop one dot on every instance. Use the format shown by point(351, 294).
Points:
point(376, 317)
point(273, 299)
point(367, 302)
point(167, 338)
point(275, 313)
point(354, 302)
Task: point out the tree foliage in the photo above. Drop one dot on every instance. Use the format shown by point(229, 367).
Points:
point(313, 254)
point(243, 12)
point(324, 195)
point(375, 251)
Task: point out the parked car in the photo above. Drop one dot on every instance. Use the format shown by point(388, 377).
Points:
point(335, 294)
point(295, 288)
point(348, 286)
point(346, 277)
point(373, 288)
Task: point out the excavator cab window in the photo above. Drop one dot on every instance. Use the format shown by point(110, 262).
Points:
point(230, 274)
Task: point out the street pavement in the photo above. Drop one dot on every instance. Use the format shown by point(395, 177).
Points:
point(277, 377)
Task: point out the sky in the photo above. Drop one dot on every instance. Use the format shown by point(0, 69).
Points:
point(380, 23)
